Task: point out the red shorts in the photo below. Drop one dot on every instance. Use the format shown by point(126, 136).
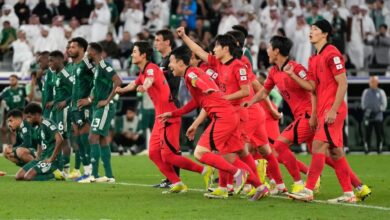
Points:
point(165, 136)
point(299, 130)
point(255, 128)
point(223, 134)
point(333, 133)
point(244, 120)
point(273, 131)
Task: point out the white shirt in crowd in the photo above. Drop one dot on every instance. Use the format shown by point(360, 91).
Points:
point(100, 23)
point(133, 19)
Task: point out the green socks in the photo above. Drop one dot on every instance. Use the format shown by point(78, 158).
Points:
point(84, 145)
point(106, 158)
point(95, 156)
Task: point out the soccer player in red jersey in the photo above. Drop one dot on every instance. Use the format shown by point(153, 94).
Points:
point(327, 76)
point(299, 100)
point(164, 148)
point(222, 134)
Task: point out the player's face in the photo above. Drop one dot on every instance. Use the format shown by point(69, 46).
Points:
point(173, 65)
point(43, 61)
point(316, 34)
point(271, 54)
point(218, 51)
point(53, 63)
point(33, 118)
point(13, 81)
point(74, 50)
point(159, 43)
point(136, 56)
point(13, 123)
point(90, 53)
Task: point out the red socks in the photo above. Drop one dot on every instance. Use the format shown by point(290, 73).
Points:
point(218, 162)
point(288, 159)
point(273, 167)
point(165, 168)
point(342, 172)
point(183, 162)
point(315, 170)
point(302, 167)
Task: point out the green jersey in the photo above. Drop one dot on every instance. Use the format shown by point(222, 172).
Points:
point(14, 97)
point(48, 87)
point(48, 131)
point(63, 86)
point(83, 83)
point(102, 82)
point(26, 136)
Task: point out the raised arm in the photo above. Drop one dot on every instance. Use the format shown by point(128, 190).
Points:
point(202, 54)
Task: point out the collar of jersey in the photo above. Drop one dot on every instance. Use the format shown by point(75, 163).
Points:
point(229, 61)
point(284, 64)
point(185, 72)
point(147, 63)
point(323, 48)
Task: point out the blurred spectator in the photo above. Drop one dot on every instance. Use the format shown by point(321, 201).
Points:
point(187, 9)
point(374, 103)
point(381, 44)
point(262, 57)
point(79, 31)
point(338, 36)
point(23, 56)
point(254, 27)
point(43, 12)
point(156, 15)
point(109, 46)
point(228, 20)
point(64, 10)
point(301, 41)
point(82, 11)
point(114, 15)
point(355, 38)
point(252, 47)
point(8, 14)
point(380, 15)
point(22, 11)
point(272, 24)
point(32, 29)
point(314, 15)
point(350, 3)
point(100, 21)
point(8, 35)
point(290, 23)
point(369, 33)
point(130, 136)
point(57, 32)
point(125, 48)
point(343, 11)
point(44, 42)
point(133, 17)
point(327, 12)
point(33, 91)
point(295, 7)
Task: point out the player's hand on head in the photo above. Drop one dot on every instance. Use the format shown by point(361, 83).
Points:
point(181, 31)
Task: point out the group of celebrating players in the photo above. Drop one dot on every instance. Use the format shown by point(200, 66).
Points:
point(243, 128)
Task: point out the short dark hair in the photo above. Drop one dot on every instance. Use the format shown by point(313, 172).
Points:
point(81, 42)
point(282, 43)
point(167, 35)
point(33, 108)
point(96, 47)
point(14, 76)
point(241, 28)
point(227, 40)
point(145, 48)
point(383, 25)
point(240, 37)
point(15, 113)
point(57, 54)
point(182, 53)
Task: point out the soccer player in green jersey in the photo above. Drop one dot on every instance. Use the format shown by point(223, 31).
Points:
point(82, 86)
point(23, 149)
point(63, 84)
point(46, 166)
point(14, 95)
point(47, 84)
point(106, 80)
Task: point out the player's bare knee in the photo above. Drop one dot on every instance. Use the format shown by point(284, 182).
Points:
point(20, 175)
point(336, 153)
point(93, 139)
point(198, 153)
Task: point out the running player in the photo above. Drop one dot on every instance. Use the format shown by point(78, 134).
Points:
point(63, 83)
point(222, 134)
point(47, 166)
point(106, 80)
point(80, 105)
point(152, 80)
point(327, 76)
point(164, 43)
point(24, 147)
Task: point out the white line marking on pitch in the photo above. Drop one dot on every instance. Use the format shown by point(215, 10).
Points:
point(281, 197)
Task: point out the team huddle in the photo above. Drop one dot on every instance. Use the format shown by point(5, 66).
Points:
point(242, 141)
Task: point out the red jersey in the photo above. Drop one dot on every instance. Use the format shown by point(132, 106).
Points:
point(198, 83)
point(297, 98)
point(232, 75)
point(159, 92)
point(323, 67)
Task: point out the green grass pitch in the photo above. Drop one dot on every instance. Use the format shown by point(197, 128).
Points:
point(133, 198)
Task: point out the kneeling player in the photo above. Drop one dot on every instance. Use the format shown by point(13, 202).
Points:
point(23, 151)
point(49, 151)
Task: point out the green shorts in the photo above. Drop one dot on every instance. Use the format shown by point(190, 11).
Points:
point(101, 119)
point(63, 121)
point(80, 117)
point(41, 167)
point(20, 162)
